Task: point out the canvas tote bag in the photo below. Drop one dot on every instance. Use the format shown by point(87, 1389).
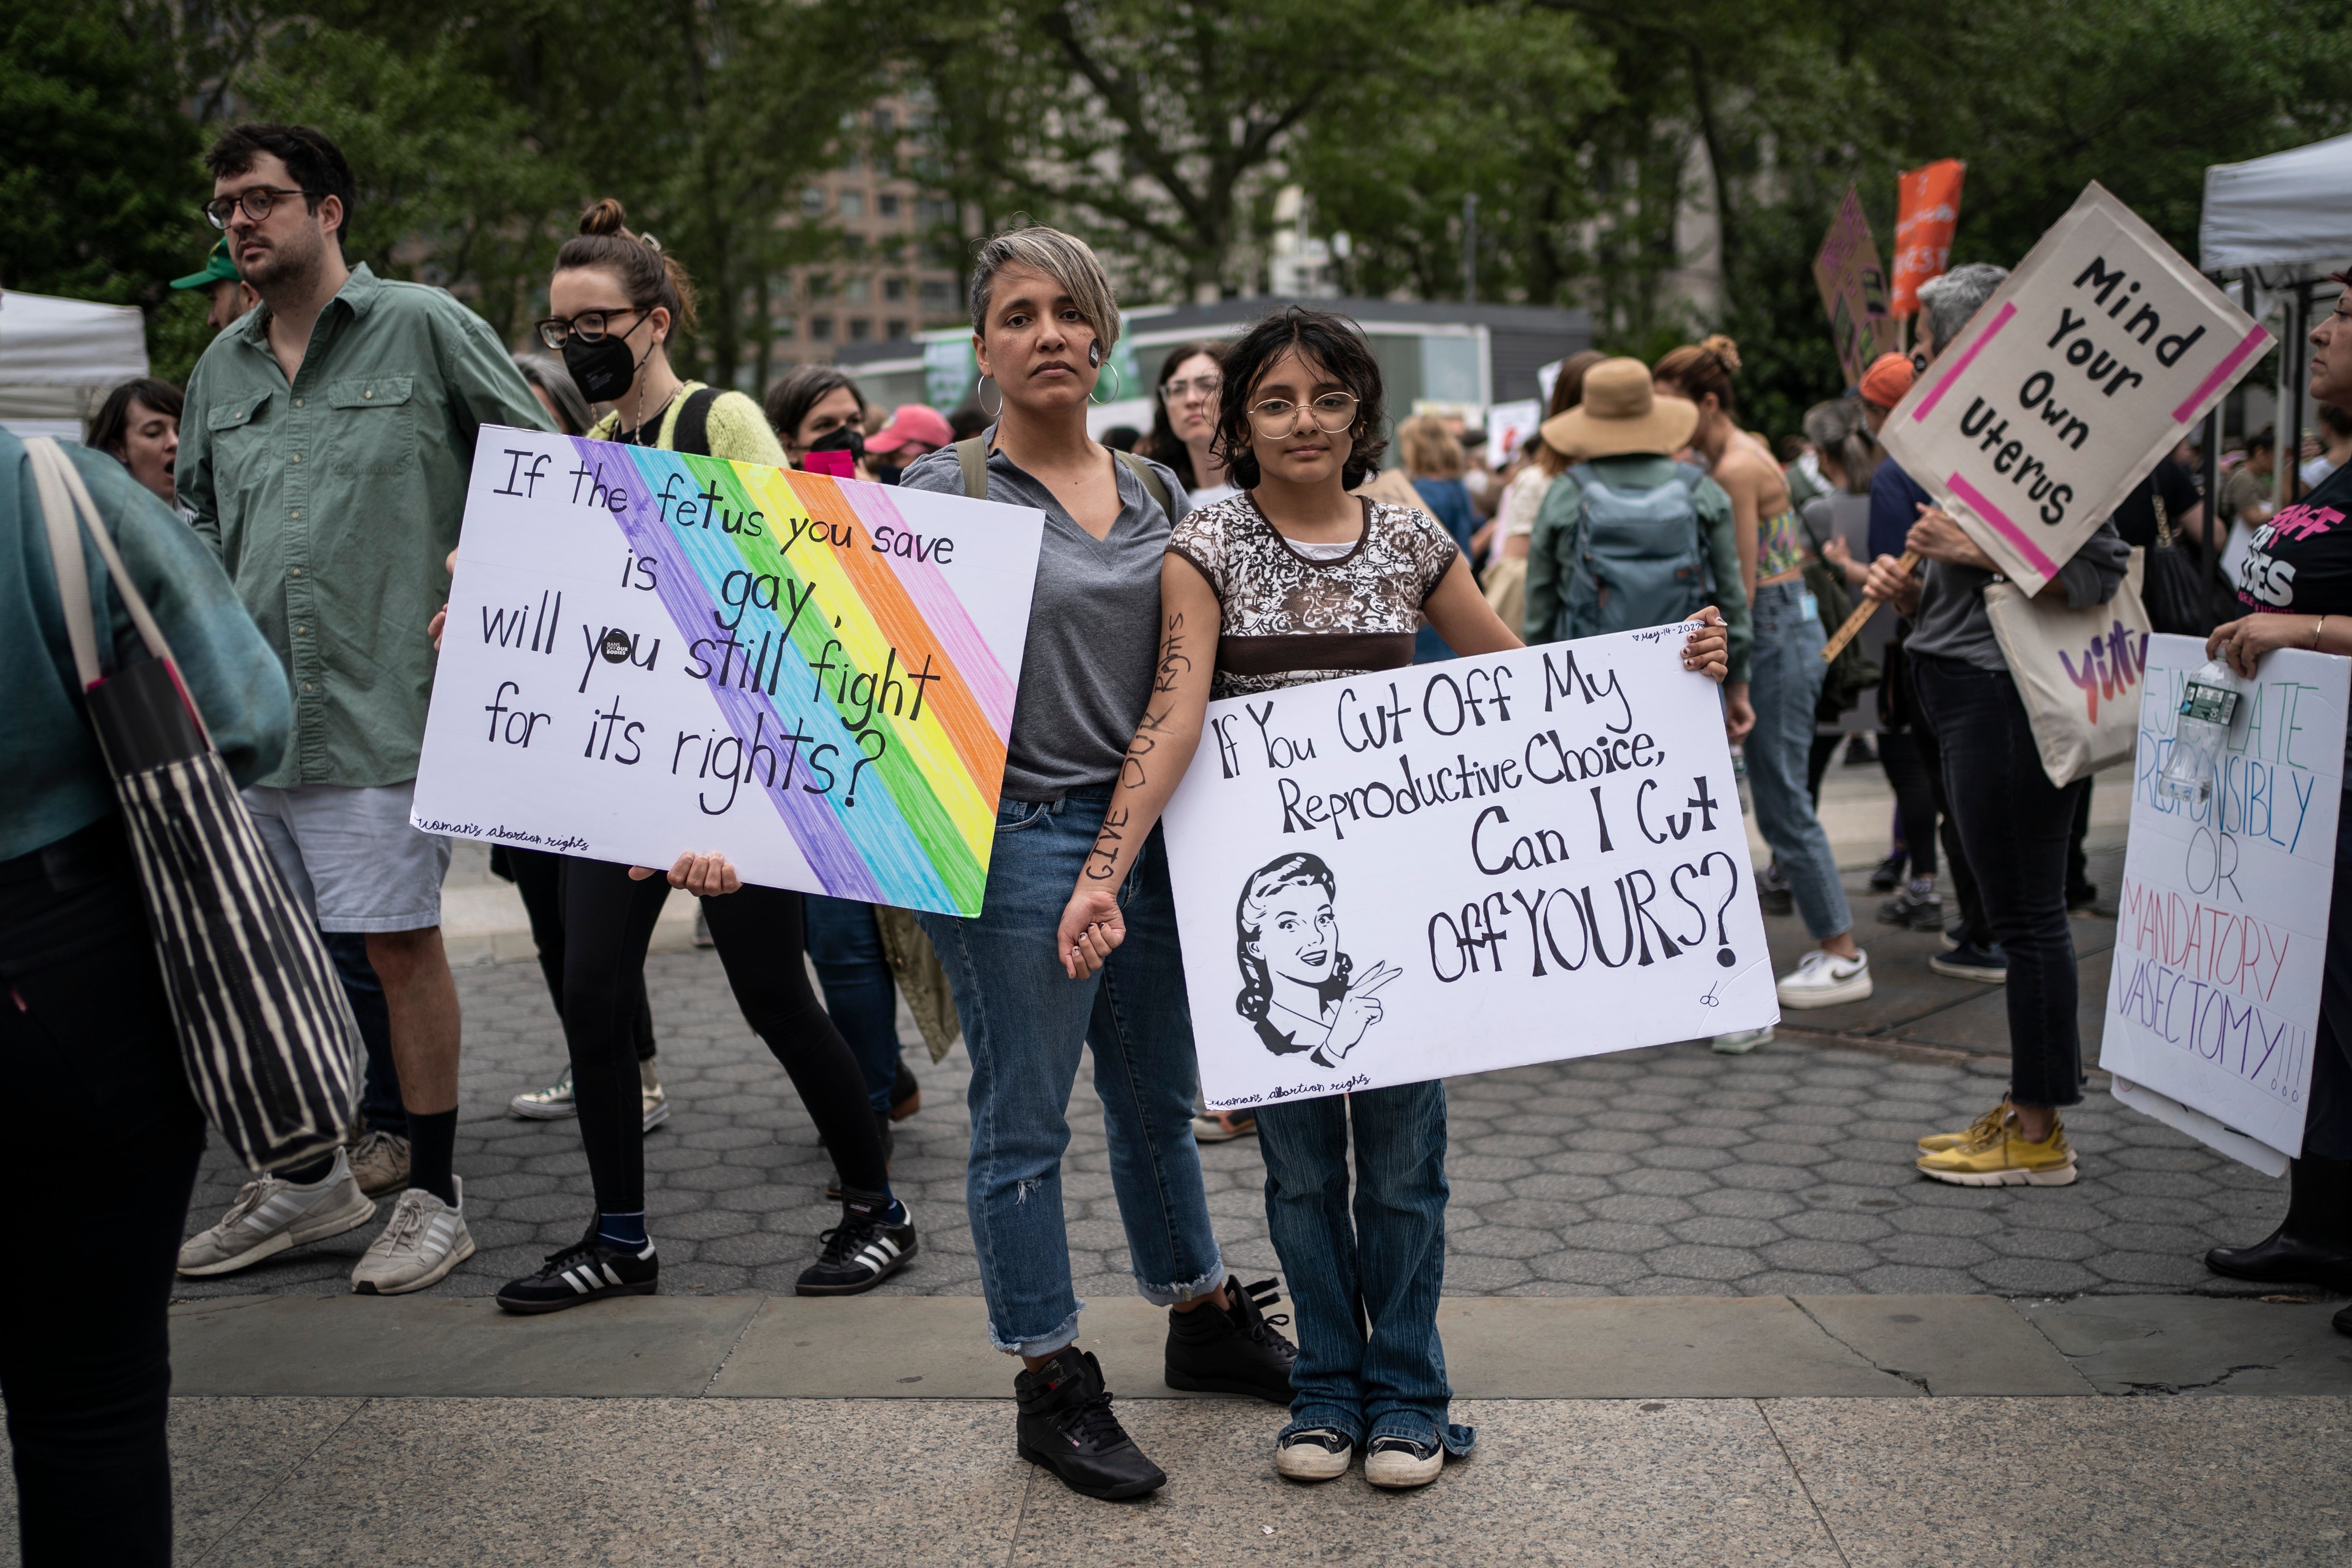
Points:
point(267, 1036)
point(2079, 672)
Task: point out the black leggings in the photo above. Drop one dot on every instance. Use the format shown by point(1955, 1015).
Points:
point(607, 921)
point(537, 877)
point(1974, 927)
point(95, 1087)
point(1915, 798)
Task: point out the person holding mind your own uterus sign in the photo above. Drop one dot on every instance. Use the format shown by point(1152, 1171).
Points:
point(1295, 580)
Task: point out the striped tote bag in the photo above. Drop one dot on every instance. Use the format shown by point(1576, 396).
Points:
point(266, 1033)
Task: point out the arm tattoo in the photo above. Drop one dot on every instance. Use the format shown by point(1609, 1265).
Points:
point(1173, 661)
point(1107, 843)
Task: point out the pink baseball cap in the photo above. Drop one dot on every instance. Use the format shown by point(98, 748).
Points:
point(911, 423)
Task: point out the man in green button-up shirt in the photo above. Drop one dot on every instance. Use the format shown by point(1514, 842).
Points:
point(324, 454)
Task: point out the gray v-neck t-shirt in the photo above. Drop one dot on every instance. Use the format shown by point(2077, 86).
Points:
point(1094, 625)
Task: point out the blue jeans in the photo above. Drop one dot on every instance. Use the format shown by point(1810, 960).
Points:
point(1024, 1022)
point(846, 945)
point(380, 1107)
point(1784, 681)
point(1388, 1265)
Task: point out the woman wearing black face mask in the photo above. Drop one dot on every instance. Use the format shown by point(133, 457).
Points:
point(615, 298)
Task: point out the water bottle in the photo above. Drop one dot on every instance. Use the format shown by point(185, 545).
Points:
point(2206, 709)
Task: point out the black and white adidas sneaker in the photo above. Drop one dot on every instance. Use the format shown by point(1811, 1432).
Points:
point(588, 1270)
point(865, 1248)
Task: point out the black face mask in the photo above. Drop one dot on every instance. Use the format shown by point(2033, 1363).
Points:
point(605, 368)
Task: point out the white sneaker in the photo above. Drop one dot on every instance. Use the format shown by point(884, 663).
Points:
point(271, 1214)
point(549, 1104)
point(1740, 1042)
point(423, 1241)
point(656, 1103)
point(1400, 1462)
point(1317, 1454)
point(1824, 980)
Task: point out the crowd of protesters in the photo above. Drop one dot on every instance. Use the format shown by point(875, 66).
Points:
point(296, 540)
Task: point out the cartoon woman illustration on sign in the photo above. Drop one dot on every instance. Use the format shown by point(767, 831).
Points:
point(1297, 987)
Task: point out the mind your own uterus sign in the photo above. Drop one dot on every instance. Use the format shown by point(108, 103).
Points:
point(1498, 861)
point(2082, 370)
point(2212, 1005)
point(650, 652)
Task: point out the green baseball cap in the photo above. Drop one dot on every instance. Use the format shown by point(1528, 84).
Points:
point(218, 269)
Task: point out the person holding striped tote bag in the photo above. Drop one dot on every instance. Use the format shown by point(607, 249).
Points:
point(147, 984)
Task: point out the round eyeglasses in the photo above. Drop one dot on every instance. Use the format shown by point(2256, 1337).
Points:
point(256, 202)
point(1278, 416)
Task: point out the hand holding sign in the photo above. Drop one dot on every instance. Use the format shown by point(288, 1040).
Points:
point(2081, 372)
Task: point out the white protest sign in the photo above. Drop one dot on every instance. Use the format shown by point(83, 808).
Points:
point(1508, 425)
point(1451, 868)
point(2222, 925)
point(650, 652)
point(2085, 367)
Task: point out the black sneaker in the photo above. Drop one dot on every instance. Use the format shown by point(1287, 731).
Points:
point(588, 1270)
point(1914, 911)
point(1969, 961)
point(1316, 1454)
point(1238, 1351)
point(2081, 896)
point(1400, 1463)
point(1889, 875)
point(1066, 1426)
point(860, 1252)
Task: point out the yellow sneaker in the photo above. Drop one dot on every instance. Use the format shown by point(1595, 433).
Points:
point(1999, 1158)
point(1982, 1127)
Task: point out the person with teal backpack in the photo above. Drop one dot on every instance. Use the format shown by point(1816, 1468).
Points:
point(1628, 537)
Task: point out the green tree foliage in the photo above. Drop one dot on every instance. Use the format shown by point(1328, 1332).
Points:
point(1153, 128)
point(96, 176)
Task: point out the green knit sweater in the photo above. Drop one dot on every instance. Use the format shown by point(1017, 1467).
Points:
point(738, 429)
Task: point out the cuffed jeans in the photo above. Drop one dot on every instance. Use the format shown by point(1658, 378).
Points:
point(1365, 1284)
point(846, 945)
point(1784, 683)
point(1024, 1022)
point(2014, 824)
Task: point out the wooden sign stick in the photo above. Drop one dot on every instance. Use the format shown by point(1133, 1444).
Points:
point(1861, 613)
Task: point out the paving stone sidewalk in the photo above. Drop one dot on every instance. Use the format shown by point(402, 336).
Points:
point(1669, 1171)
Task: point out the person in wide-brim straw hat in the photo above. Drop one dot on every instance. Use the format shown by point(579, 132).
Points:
point(1623, 413)
point(1621, 437)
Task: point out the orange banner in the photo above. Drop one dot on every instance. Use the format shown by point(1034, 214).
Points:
point(1924, 218)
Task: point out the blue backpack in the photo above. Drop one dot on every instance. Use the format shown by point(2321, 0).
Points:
point(1640, 556)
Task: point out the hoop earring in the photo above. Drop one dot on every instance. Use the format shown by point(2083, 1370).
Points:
point(1111, 367)
point(979, 398)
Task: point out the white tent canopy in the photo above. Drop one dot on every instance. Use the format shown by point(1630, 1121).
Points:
point(2291, 211)
point(58, 359)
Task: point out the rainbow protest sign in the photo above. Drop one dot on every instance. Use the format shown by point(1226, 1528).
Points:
point(649, 652)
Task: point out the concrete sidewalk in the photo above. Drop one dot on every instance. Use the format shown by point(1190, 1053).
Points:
point(1838, 1431)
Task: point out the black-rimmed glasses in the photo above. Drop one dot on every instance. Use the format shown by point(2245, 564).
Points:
point(256, 202)
point(591, 326)
point(1278, 416)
